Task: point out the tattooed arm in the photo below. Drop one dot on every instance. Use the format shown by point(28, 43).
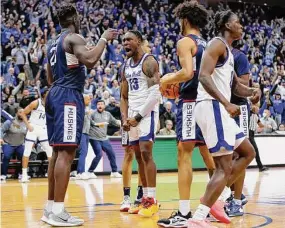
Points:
point(151, 70)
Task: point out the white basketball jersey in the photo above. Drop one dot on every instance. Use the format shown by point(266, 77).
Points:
point(222, 76)
point(38, 116)
point(137, 82)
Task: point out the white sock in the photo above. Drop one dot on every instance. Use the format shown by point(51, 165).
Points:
point(237, 201)
point(225, 194)
point(57, 207)
point(201, 212)
point(49, 205)
point(184, 207)
point(144, 192)
point(151, 192)
point(25, 172)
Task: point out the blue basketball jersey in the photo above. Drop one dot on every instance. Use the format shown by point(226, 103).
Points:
point(241, 66)
point(67, 71)
point(188, 90)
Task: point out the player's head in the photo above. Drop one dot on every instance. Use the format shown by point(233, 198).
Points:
point(191, 15)
point(44, 92)
point(100, 106)
point(132, 41)
point(227, 21)
point(19, 112)
point(145, 46)
point(68, 16)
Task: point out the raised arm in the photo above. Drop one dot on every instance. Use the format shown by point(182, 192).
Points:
point(88, 56)
point(27, 111)
point(185, 48)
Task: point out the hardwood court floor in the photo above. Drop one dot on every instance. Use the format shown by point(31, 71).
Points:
point(97, 201)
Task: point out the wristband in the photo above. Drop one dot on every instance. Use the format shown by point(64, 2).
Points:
point(138, 117)
point(104, 39)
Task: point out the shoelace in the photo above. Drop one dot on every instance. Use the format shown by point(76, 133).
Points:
point(173, 214)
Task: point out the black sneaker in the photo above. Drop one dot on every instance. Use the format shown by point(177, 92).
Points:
point(175, 220)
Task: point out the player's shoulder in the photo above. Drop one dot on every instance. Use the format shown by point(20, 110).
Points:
point(186, 41)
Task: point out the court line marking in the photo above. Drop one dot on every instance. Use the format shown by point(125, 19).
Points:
point(267, 222)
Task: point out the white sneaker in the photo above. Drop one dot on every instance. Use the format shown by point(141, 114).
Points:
point(46, 175)
point(85, 176)
point(92, 175)
point(126, 204)
point(64, 219)
point(116, 175)
point(24, 179)
point(3, 178)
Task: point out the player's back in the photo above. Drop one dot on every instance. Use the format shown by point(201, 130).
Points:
point(38, 116)
point(67, 71)
point(222, 76)
point(137, 81)
point(188, 90)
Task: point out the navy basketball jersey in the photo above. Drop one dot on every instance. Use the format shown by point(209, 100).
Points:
point(67, 71)
point(241, 66)
point(188, 90)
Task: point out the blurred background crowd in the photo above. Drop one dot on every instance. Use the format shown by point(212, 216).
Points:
point(28, 25)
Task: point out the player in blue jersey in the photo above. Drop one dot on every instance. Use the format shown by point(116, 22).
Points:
point(190, 48)
point(67, 57)
point(241, 67)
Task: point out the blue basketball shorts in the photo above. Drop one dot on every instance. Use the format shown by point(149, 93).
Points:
point(65, 116)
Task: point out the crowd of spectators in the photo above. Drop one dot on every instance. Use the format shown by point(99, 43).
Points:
point(28, 25)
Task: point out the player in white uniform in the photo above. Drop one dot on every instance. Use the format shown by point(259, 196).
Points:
point(139, 108)
point(37, 131)
point(214, 115)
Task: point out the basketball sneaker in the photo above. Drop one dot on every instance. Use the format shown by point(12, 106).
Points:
point(244, 200)
point(150, 207)
point(126, 204)
point(136, 206)
point(116, 175)
point(91, 175)
point(3, 178)
point(46, 215)
point(64, 219)
point(24, 179)
point(218, 211)
point(175, 220)
point(199, 224)
point(233, 209)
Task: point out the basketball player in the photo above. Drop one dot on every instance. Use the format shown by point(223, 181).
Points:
point(37, 131)
point(190, 48)
point(214, 114)
point(139, 109)
point(241, 67)
point(67, 57)
point(127, 168)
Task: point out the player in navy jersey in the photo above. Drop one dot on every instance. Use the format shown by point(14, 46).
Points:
point(67, 57)
point(241, 67)
point(190, 49)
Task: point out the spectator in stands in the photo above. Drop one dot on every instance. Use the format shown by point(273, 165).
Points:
point(167, 115)
point(168, 129)
point(26, 99)
point(115, 90)
point(13, 133)
point(114, 109)
point(106, 97)
point(11, 106)
point(269, 123)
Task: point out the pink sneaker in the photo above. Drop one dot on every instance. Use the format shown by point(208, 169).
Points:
point(199, 224)
point(218, 211)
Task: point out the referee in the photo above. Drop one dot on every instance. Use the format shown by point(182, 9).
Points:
point(254, 122)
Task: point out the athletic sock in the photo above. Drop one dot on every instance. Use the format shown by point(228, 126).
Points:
point(57, 207)
point(140, 192)
point(25, 172)
point(151, 192)
point(184, 207)
point(144, 192)
point(49, 205)
point(201, 213)
point(127, 191)
point(225, 194)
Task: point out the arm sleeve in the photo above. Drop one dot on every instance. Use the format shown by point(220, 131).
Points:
point(112, 120)
point(151, 101)
point(242, 65)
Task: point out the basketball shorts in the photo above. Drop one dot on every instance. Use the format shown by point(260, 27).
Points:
point(187, 129)
point(146, 129)
point(243, 119)
point(64, 116)
point(39, 134)
point(221, 133)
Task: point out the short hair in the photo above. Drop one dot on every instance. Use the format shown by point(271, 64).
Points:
point(195, 13)
point(100, 101)
point(137, 34)
point(168, 122)
point(64, 13)
point(221, 18)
